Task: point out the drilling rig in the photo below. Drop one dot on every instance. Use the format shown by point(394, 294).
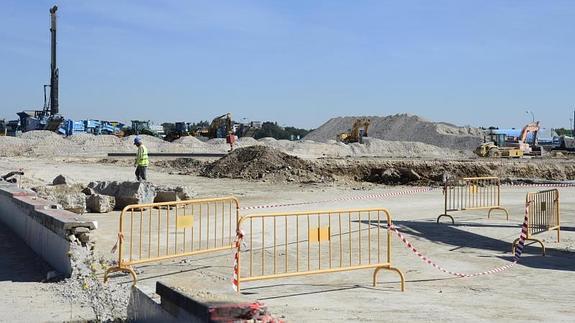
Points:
point(48, 118)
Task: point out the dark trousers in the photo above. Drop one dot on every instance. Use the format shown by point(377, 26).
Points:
point(141, 173)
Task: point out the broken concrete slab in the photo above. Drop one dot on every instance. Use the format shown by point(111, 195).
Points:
point(126, 193)
point(75, 203)
point(69, 197)
point(97, 203)
point(173, 193)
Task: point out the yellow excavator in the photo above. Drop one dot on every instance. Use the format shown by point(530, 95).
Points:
point(498, 146)
point(357, 132)
point(220, 127)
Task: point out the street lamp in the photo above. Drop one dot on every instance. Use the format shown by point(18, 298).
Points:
point(532, 116)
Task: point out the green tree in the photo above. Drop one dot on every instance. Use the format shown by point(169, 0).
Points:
point(271, 129)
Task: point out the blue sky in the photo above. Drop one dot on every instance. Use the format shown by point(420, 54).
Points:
point(297, 62)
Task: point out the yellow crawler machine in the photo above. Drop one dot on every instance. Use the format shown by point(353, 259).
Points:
point(220, 127)
point(498, 144)
point(489, 149)
point(357, 132)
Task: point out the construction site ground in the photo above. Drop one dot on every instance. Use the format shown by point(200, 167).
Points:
point(537, 289)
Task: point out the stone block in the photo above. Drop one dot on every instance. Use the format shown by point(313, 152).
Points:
point(173, 193)
point(126, 193)
point(75, 202)
point(97, 203)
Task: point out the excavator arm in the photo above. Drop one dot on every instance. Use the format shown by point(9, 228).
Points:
point(530, 127)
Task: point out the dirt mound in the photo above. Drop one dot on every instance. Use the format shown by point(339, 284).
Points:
point(430, 172)
point(181, 166)
point(404, 127)
point(264, 163)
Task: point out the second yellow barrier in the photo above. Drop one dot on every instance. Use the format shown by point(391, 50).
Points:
point(543, 215)
point(304, 243)
point(472, 193)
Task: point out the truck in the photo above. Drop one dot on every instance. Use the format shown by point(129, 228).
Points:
point(173, 131)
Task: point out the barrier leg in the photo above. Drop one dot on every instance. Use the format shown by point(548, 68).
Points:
point(401, 276)
point(128, 270)
point(498, 208)
point(528, 239)
point(447, 215)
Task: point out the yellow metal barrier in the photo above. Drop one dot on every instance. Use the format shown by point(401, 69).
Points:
point(304, 243)
point(543, 215)
point(159, 231)
point(472, 193)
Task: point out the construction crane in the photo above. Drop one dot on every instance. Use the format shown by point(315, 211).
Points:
point(48, 118)
point(357, 132)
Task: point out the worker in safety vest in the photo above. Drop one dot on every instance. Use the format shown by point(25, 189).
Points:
point(141, 162)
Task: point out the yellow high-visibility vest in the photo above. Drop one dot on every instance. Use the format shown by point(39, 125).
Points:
point(142, 156)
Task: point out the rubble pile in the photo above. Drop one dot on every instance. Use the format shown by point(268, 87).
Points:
point(106, 196)
point(108, 301)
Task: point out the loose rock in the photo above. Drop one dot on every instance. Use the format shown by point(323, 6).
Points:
point(97, 203)
point(62, 180)
point(126, 193)
point(170, 193)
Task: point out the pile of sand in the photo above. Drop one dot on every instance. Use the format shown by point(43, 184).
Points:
point(264, 163)
point(404, 127)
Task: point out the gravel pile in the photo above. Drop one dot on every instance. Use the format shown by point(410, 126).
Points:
point(404, 127)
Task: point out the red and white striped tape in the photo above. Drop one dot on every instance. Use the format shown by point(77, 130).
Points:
point(384, 195)
point(427, 260)
point(235, 279)
point(351, 198)
point(540, 185)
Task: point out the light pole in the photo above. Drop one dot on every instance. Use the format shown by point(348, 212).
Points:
point(532, 116)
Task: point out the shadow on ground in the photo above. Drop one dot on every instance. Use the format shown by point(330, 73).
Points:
point(18, 262)
point(451, 234)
